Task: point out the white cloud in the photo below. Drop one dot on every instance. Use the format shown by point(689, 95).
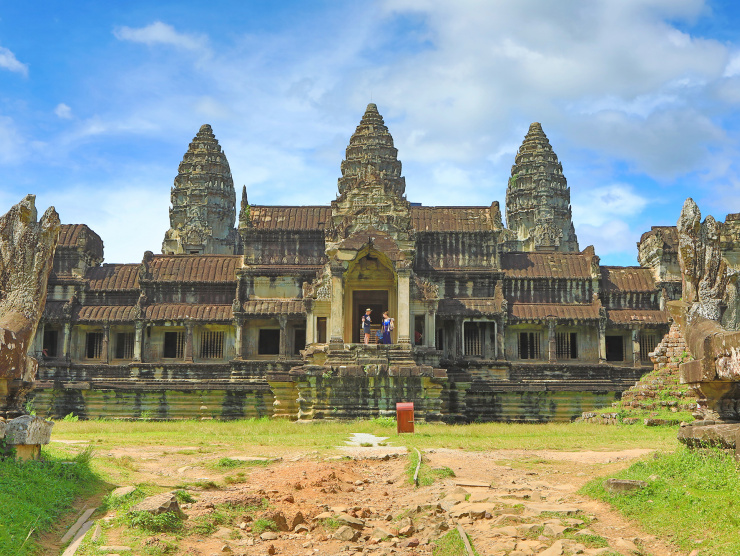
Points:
point(161, 33)
point(11, 63)
point(610, 238)
point(595, 206)
point(63, 111)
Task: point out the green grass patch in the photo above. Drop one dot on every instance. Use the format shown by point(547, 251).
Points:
point(427, 474)
point(34, 494)
point(690, 499)
point(451, 545)
point(261, 525)
point(281, 436)
point(163, 522)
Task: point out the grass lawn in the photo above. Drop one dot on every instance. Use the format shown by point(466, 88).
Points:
point(274, 437)
point(691, 499)
point(33, 494)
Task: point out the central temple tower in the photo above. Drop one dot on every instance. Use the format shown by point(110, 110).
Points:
point(538, 198)
point(203, 202)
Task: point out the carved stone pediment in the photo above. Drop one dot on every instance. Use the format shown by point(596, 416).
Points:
point(547, 236)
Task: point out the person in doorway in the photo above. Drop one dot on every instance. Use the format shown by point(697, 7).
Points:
point(366, 320)
point(387, 328)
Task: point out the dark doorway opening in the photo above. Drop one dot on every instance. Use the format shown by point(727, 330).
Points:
point(615, 348)
point(377, 300)
point(269, 341)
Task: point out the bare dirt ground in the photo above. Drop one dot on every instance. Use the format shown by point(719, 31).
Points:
point(510, 502)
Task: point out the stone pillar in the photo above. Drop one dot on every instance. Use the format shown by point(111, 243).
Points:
point(430, 318)
point(458, 334)
point(188, 341)
point(403, 322)
point(552, 356)
point(602, 341)
point(66, 340)
point(138, 340)
point(38, 342)
point(310, 323)
point(283, 352)
point(636, 348)
point(501, 338)
point(238, 342)
point(337, 309)
point(106, 343)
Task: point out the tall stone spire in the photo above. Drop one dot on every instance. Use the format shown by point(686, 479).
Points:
point(538, 198)
point(371, 152)
point(371, 189)
point(203, 201)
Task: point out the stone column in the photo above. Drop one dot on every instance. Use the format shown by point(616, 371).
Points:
point(310, 323)
point(188, 341)
point(458, 334)
point(337, 309)
point(403, 322)
point(551, 341)
point(106, 343)
point(602, 341)
point(66, 340)
point(283, 352)
point(38, 342)
point(501, 338)
point(238, 342)
point(430, 331)
point(138, 340)
point(636, 362)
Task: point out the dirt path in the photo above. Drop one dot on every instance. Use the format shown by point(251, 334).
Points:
point(365, 505)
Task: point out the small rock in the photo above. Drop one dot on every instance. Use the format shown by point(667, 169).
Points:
point(552, 530)
point(120, 492)
point(159, 504)
point(346, 533)
point(623, 485)
point(269, 536)
point(271, 549)
point(625, 544)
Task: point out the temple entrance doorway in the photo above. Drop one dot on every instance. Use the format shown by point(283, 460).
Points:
point(377, 300)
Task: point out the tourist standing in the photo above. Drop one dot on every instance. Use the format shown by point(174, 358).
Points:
point(387, 328)
point(366, 320)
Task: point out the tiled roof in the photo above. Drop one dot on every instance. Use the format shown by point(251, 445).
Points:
point(73, 235)
point(546, 265)
point(624, 316)
point(542, 311)
point(178, 311)
point(470, 306)
point(274, 307)
point(113, 313)
point(289, 218)
point(452, 219)
point(194, 268)
point(113, 277)
point(627, 279)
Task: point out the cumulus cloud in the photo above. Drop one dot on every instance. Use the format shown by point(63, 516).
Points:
point(11, 63)
point(161, 33)
point(63, 111)
point(595, 206)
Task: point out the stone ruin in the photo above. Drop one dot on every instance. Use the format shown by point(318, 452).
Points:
point(26, 254)
point(714, 374)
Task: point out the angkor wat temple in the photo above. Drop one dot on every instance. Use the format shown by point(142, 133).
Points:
point(261, 316)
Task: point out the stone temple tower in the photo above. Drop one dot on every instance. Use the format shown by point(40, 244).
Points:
point(538, 198)
point(203, 202)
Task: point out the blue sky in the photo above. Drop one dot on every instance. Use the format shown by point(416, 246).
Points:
point(639, 98)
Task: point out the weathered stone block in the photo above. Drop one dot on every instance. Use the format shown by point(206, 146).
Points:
point(28, 429)
point(623, 485)
point(159, 504)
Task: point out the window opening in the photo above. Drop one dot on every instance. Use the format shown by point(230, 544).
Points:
point(419, 330)
point(529, 345)
point(647, 345)
point(321, 330)
point(473, 339)
point(566, 345)
point(269, 341)
point(615, 348)
point(51, 343)
point(174, 345)
point(299, 340)
point(125, 345)
point(94, 345)
point(212, 344)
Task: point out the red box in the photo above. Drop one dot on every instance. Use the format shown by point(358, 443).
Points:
point(405, 417)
